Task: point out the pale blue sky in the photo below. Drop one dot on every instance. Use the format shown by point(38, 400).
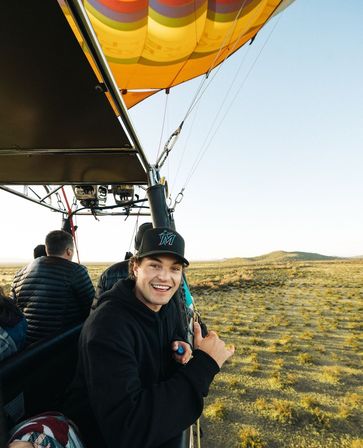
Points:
point(284, 170)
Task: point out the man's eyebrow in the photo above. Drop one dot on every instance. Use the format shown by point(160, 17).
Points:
point(151, 257)
point(154, 258)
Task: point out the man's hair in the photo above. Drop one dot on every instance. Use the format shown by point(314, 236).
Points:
point(57, 241)
point(133, 261)
point(39, 251)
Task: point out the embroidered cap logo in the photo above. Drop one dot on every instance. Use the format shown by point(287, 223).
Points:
point(166, 238)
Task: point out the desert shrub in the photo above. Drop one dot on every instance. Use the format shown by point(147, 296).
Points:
point(279, 362)
point(282, 411)
point(261, 404)
point(320, 417)
point(344, 412)
point(307, 335)
point(276, 409)
point(258, 341)
point(349, 404)
point(330, 374)
point(353, 399)
point(357, 443)
point(216, 410)
point(253, 364)
point(308, 402)
point(281, 380)
point(250, 438)
point(304, 358)
point(353, 342)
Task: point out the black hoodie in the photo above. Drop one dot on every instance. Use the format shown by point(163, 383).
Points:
point(127, 386)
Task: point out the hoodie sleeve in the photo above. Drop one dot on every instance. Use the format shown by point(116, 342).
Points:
point(128, 414)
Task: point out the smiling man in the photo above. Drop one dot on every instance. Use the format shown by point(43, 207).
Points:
point(132, 390)
point(158, 267)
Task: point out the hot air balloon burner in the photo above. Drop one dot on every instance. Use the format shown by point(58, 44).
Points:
point(123, 193)
point(91, 195)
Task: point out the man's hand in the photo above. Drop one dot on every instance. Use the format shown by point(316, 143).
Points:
point(212, 345)
point(183, 347)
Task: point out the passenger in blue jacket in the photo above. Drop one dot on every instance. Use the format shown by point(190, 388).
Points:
point(132, 389)
point(12, 327)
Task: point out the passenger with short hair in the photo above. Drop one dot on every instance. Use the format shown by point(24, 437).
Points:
point(39, 251)
point(133, 388)
point(53, 292)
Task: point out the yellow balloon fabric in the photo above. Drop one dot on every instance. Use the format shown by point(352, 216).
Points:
point(158, 44)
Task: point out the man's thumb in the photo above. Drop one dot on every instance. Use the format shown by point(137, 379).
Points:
point(197, 334)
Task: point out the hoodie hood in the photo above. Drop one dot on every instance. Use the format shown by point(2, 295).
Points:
point(122, 295)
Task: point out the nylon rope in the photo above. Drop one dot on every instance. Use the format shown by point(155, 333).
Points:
point(208, 140)
point(190, 130)
point(136, 226)
point(197, 96)
point(163, 123)
point(215, 73)
point(228, 34)
point(69, 211)
point(198, 434)
point(198, 102)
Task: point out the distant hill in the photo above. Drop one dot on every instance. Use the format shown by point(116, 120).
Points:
point(281, 255)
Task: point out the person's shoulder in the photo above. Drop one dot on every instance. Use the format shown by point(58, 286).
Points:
point(121, 289)
point(121, 266)
point(20, 272)
point(76, 267)
point(110, 317)
point(25, 269)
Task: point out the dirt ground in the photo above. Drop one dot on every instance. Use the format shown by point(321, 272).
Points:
point(295, 380)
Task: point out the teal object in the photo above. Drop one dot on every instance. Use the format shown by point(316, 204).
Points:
point(187, 294)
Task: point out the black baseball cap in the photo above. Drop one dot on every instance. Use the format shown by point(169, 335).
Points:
point(162, 240)
point(140, 233)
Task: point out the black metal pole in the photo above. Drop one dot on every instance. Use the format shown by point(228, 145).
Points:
point(159, 210)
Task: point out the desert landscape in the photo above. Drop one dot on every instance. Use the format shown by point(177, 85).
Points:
point(295, 380)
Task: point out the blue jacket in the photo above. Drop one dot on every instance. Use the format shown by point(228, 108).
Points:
point(7, 345)
point(18, 333)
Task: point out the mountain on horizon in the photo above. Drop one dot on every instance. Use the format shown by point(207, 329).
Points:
point(283, 256)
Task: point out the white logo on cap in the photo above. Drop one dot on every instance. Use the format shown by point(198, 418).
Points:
point(166, 238)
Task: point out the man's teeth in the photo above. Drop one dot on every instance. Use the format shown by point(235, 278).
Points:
point(161, 287)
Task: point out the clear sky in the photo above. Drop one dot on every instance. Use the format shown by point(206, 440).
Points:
point(283, 163)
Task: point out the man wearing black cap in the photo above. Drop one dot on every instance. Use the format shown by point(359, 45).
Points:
point(132, 389)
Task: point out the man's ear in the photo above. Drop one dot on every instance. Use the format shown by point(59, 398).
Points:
point(69, 252)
